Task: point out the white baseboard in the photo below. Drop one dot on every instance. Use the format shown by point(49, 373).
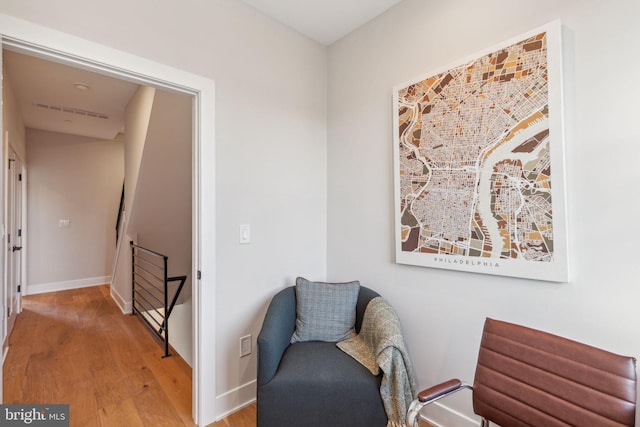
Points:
point(236, 399)
point(439, 415)
point(42, 288)
point(240, 397)
point(125, 306)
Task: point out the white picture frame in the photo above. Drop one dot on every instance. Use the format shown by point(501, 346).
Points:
point(479, 162)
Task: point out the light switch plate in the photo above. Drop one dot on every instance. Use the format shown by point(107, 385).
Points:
point(245, 234)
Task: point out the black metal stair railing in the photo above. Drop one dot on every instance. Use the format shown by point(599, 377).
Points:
point(120, 210)
point(150, 291)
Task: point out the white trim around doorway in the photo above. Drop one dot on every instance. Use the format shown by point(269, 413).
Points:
point(60, 47)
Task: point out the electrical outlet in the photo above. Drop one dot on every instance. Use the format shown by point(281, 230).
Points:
point(245, 345)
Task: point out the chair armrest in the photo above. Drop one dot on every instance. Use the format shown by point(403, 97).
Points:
point(275, 335)
point(432, 394)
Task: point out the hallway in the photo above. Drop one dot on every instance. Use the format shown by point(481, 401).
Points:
point(77, 347)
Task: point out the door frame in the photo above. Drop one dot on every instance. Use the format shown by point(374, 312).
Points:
point(63, 48)
point(13, 199)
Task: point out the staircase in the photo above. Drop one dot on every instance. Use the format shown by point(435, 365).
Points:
point(156, 213)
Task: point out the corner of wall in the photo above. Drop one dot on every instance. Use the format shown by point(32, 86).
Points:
point(125, 306)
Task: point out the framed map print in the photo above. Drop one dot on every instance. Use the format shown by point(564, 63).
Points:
point(479, 162)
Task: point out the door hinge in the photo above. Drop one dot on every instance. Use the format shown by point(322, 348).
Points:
point(19, 177)
point(19, 232)
point(199, 275)
point(19, 287)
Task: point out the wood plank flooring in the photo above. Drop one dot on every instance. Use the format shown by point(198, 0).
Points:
point(77, 347)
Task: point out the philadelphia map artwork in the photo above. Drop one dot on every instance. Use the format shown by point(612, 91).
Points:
point(474, 164)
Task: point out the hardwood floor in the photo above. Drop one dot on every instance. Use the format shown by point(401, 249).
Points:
point(77, 347)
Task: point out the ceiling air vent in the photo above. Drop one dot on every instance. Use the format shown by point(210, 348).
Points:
point(76, 111)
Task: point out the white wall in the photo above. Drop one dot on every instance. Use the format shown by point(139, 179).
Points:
point(137, 114)
point(270, 144)
point(11, 117)
point(160, 214)
point(443, 311)
point(136, 123)
point(161, 211)
point(79, 179)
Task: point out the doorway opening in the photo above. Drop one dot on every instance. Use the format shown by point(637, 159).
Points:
point(61, 48)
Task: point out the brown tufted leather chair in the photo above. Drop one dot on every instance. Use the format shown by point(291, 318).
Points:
point(526, 377)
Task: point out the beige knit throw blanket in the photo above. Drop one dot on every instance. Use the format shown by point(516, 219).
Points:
point(380, 346)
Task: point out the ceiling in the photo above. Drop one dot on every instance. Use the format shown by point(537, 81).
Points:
point(60, 98)
point(65, 99)
point(324, 21)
